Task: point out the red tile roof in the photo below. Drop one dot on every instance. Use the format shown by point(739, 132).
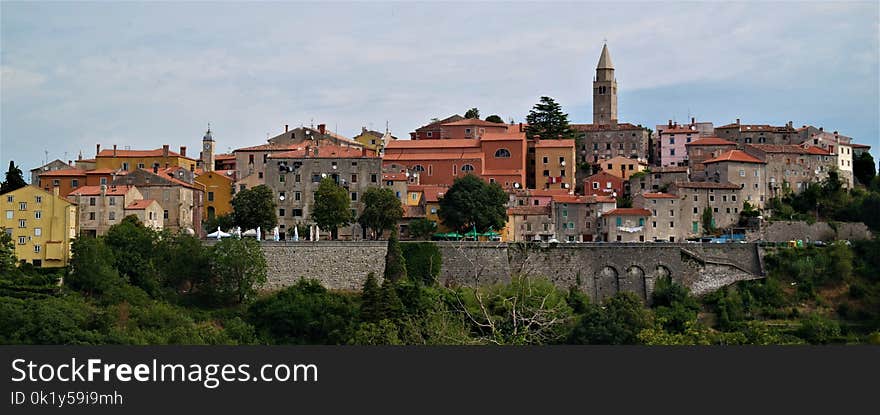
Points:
point(325, 152)
point(711, 141)
point(659, 196)
point(63, 173)
point(604, 127)
point(454, 155)
point(471, 121)
point(818, 151)
point(854, 145)
point(437, 143)
point(394, 177)
point(105, 171)
point(159, 152)
point(554, 144)
point(605, 199)
point(224, 157)
point(140, 204)
point(529, 210)
point(628, 212)
point(96, 190)
point(737, 156)
point(413, 211)
point(431, 193)
point(707, 185)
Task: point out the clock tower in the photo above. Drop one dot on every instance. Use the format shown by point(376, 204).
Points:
point(208, 151)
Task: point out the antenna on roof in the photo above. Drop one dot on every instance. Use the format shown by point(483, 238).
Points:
point(45, 156)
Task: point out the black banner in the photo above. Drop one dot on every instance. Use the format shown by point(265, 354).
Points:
point(179, 379)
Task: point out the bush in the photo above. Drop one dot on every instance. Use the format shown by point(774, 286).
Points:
point(818, 330)
point(423, 261)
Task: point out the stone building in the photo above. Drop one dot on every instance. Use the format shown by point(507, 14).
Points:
point(100, 207)
point(576, 217)
point(434, 129)
point(791, 166)
point(50, 166)
point(657, 179)
point(529, 223)
point(722, 199)
point(41, 225)
point(181, 200)
point(740, 168)
point(757, 133)
point(664, 224)
point(703, 149)
point(68, 180)
point(148, 211)
point(625, 225)
point(554, 164)
point(836, 145)
point(294, 177)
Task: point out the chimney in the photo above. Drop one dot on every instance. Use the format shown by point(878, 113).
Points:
point(670, 124)
point(103, 190)
point(55, 191)
point(183, 151)
point(322, 128)
point(790, 124)
point(308, 151)
point(70, 162)
point(164, 150)
point(737, 121)
point(835, 133)
point(114, 150)
point(520, 127)
point(821, 128)
point(97, 149)
point(286, 128)
point(693, 120)
point(363, 152)
point(155, 168)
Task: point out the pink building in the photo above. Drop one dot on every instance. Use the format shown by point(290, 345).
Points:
point(673, 139)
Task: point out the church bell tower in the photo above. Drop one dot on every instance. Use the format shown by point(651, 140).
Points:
point(605, 91)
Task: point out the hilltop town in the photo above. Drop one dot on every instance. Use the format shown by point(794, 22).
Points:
point(608, 181)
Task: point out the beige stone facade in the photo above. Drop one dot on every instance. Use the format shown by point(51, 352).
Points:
point(100, 207)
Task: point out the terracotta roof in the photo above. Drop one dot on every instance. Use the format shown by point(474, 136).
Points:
point(680, 129)
point(451, 118)
point(659, 196)
point(738, 156)
point(325, 152)
point(573, 199)
point(779, 148)
point(628, 212)
point(711, 141)
point(604, 127)
point(456, 155)
point(554, 143)
point(432, 193)
point(140, 204)
point(502, 136)
point(529, 210)
point(86, 160)
point(159, 152)
point(413, 211)
point(219, 173)
point(502, 172)
point(436, 143)
point(603, 174)
point(669, 169)
point(707, 185)
point(394, 177)
point(605, 199)
point(267, 147)
point(473, 121)
point(63, 173)
point(120, 190)
point(854, 145)
point(818, 151)
point(224, 156)
point(106, 171)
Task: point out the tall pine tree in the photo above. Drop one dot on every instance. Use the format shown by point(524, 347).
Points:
point(371, 300)
point(547, 121)
point(395, 264)
point(14, 179)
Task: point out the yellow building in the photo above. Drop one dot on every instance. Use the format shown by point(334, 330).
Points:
point(554, 164)
point(373, 140)
point(623, 167)
point(131, 160)
point(41, 224)
point(218, 193)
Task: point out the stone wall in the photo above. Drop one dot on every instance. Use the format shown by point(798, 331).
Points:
point(600, 269)
point(781, 231)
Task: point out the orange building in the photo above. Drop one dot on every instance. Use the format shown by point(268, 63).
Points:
point(131, 160)
point(623, 167)
point(554, 164)
point(69, 180)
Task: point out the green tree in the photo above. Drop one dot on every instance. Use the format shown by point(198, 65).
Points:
point(422, 228)
point(14, 179)
point(620, 321)
point(7, 252)
point(864, 168)
point(392, 306)
point(224, 222)
point(91, 266)
point(423, 261)
point(472, 113)
point(182, 261)
point(382, 210)
point(472, 203)
point(332, 207)
point(395, 265)
point(495, 118)
point(547, 121)
point(305, 313)
point(255, 207)
point(133, 246)
point(371, 300)
point(708, 221)
point(238, 268)
point(675, 307)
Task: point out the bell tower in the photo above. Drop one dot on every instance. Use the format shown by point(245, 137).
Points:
point(208, 151)
point(605, 91)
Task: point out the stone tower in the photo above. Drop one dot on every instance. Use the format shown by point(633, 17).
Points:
point(605, 91)
point(208, 151)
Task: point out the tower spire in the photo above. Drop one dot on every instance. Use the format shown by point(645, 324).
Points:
point(605, 59)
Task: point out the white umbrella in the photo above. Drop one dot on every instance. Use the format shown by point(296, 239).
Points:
point(317, 233)
point(238, 232)
point(295, 233)
point(259, 234)
point(219, 234)
point(249, 232)
point(275, 234)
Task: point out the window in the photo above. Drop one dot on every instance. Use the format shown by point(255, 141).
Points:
point(565, 213)
point(420, 168)
point(546, 173)
point(545, 159)
point(430, 133)
point(711, 198)
point(260, 176)
point(672, 152)
point(467, 168)
point(561, 159)
point(38, 231)
point(562, 173)
point(570, 225)
point(715, 210)
point(73, 183)
point(281, 212)
point(112, 201)
point(467, 131)
point(297, 213)
point(56, 182)
point(430, 170)
point(654, 224)
point(250, 159)
point(22, 240)
point(22, 205)
point(165, 214)
point(354, 196)
point(104, 181)
point(619, 221)
point(503, 153)
point(595, 185)
point(38, 199)
point(22, 223)
point(140, 165)
point(125, 166)
point(607, 185)
point(297, 196)
point(91, 215)
point(316, 178)
point(210, 196)
point(36, 249)
point(354, 178)
point(10, 199)
point(724, 198)
point(671, 212)
point(641, 221)
point(733, 198)
point(695, 211)
point(112, 215)
point(9, 214)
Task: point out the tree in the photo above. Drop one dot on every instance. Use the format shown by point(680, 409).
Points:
point(395, 265)
point(472, 113)
point(7, 252)
point(495, 118)
point(133, 246)
point(224, 222)
point(382, 210)
point(547, 121)
point(864, 168)
point(620, 321)
point(91, 266)
point(14, 179)
point(371, 300)
point(332, 207)
point(708, 221)
point(472, 203)
point(238, 267)
point(255, 207)
point(184, 260)
point(422, 228)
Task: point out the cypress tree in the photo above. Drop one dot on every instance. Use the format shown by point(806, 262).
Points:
point(14, 179)
point(371, 300)
point(392, 306)
point(395, 265)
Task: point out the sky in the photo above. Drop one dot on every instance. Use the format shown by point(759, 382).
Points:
point(140, 75)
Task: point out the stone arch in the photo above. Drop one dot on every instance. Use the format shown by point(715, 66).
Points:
point(634, 281)
point(607, 283)
point(661, 271)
